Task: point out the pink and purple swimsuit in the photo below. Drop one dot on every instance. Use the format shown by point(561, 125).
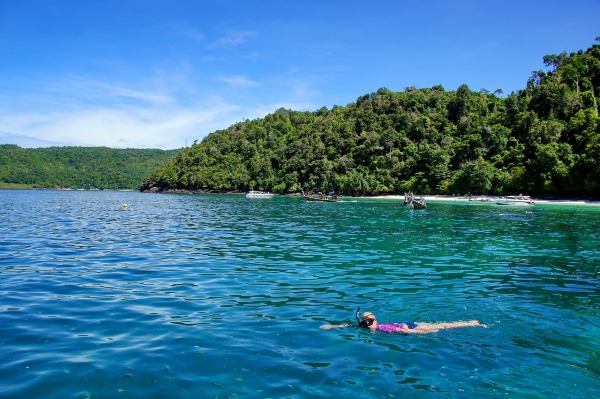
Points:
point(393, 327)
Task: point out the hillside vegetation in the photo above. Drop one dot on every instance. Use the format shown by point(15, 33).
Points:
point(543, 139)
point(78, 167)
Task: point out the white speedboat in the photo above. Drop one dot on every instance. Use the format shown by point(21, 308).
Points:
point(515, 200)
point(258, 194)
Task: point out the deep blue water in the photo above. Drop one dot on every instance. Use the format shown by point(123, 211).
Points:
point(206, 296)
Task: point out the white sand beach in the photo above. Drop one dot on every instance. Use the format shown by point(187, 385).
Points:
point(490, 199)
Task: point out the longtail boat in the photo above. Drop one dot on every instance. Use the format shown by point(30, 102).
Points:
point(414, 202)
point(320, 198)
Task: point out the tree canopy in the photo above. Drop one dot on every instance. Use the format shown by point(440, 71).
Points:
point(78, 167)
point(543, 139)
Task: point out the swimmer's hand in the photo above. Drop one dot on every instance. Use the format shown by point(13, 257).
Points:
point(329, 327)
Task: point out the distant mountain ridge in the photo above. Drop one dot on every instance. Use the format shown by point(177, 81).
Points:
point(78, 167)
point(541, 140)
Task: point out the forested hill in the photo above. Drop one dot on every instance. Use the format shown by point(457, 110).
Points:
point(543, 139)
point(78, 167)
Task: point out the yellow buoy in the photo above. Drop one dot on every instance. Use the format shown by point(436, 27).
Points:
point(124, 205)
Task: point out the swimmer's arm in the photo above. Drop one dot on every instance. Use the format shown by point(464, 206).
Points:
point(331, 326)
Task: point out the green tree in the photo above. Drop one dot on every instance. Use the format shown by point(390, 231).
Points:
point(474, 177)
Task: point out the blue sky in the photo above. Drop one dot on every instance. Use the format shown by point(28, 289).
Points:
point(160, 74)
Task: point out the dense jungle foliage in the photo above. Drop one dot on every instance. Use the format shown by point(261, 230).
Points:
point(78, 167)
point(543, 139)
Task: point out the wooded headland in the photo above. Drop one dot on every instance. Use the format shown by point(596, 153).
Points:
point(541, 140)
point(78, 167)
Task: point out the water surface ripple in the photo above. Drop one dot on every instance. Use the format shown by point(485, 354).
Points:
point(194, 296)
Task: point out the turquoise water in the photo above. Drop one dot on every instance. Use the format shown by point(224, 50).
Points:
point(206, 296)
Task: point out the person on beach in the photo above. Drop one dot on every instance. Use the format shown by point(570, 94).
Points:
point(370, 321)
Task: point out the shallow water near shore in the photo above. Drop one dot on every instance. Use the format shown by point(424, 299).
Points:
point(206, 296)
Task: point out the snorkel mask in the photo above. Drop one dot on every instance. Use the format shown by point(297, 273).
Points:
point(365, 323)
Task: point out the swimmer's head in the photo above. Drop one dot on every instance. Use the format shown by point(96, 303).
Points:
point(367, 320)
point(368, 315)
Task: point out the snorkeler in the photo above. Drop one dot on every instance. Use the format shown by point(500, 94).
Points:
point(369, 321)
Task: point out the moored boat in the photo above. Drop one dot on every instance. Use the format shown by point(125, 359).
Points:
point(515, 200)
point(413, 201)
point(332, 197)
point(258, 194)
point(479, 199)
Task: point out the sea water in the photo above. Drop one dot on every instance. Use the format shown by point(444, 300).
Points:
point(220, 296)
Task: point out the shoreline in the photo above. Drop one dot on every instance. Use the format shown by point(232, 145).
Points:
point(490, 200)
point(434, 198)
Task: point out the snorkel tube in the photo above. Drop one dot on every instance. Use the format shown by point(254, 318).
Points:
point(357, 319)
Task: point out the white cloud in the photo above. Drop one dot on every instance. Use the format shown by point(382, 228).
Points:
point(233, 38)
point(253, 54)
point(238, 81)
point(304, 90)
point(194, 34)
point(26, 141)
point(149, 96)
point(62, 92)
point(117, 128)
point(133, 127)
point(76, 112)
point(165, 110)
point(97, 89)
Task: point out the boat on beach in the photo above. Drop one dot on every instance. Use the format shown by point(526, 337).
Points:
point(259, 194)
point(515, 200)
point(332, 197)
